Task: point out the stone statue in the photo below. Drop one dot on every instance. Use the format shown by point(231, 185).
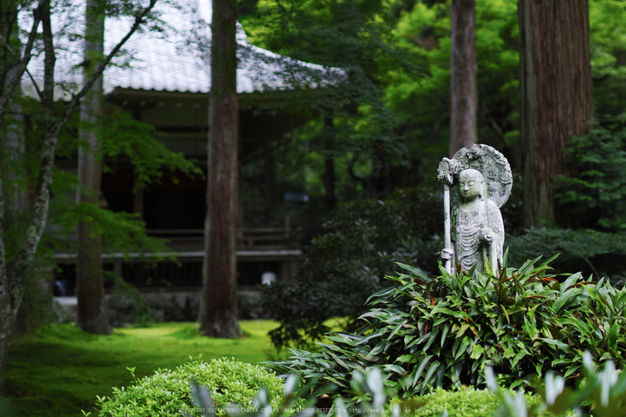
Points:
point(481, 182)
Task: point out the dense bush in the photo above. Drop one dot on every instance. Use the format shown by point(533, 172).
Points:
point(466, 402)
point(444, 331)
point(168, 393)
point(344, 265)
point(591, 251)
point(600, 394)
point(596, 193)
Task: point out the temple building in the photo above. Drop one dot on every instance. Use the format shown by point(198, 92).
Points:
point(163, 79)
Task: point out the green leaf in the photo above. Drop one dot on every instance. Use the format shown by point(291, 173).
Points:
point(444, 333)
point(556, 343)
point(420, 369)
point(462, 330)
point(477, 351)
point(431, 372)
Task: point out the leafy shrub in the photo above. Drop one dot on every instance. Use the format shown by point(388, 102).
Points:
point(592, 251)
point(368, 384)
point(466, 402)
point(443, 332)
point(603, 393)
point(168, 393)
point(343, 266)
point(597, 191)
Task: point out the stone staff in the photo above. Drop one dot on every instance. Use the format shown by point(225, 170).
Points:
point(445, 174)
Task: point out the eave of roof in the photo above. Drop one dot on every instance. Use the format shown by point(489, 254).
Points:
point(161, 62)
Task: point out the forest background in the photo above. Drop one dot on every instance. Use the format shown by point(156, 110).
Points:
point(375, 152)
point(367, 159)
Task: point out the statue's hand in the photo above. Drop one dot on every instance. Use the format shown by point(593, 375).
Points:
point(447, 254)
point(487, 235)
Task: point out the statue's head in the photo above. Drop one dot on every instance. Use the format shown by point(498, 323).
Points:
point(471, 184)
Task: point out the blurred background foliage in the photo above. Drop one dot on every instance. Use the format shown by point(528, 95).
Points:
point(398, 55)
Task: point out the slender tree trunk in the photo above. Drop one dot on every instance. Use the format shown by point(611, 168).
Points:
point(463, 90)
point(218, 308)
point(89, 285)
point(14, 272)
point(270, 185)
point(329, 167)
point(11, 71)
point(556, 97)
point(329, 182)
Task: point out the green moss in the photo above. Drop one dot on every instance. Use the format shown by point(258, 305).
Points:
point(59, 370)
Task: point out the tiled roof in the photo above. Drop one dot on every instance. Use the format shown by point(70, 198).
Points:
point(166, 61)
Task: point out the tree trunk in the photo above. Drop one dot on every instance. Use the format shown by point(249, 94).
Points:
point(218, 308)
point(37, 306)
point(463, 91)
point(13, 273)
point(91, 312)
point(11, 72)
point(556, 89)
point(270, 188)
point(329, 166)
point(329, 182)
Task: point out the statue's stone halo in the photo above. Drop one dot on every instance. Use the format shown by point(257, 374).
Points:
point(494, 167)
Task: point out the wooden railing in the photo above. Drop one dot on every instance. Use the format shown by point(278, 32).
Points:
point(260, 238)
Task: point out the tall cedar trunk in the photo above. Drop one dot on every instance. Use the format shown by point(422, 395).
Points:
point(463, 91)
point(91, 316)
point(556, 97)
point(218, 308)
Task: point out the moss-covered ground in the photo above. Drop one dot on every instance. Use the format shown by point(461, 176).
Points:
point(59, 370)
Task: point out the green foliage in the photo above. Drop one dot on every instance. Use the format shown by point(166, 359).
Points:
point(608, 59)
point(59, 370)
point(167, 392)
point(443, 331)
point(465, 402)
point(352, 35)
point(342, 267)
point(601, 394)
point(590, 250)
point(123, 135)
point(369, 384)
point(422, 104)
point(596, 194)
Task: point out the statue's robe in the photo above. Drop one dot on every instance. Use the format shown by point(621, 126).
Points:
point(472, 220)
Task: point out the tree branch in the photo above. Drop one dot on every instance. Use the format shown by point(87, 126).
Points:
point(492, 121)
point(21, 67)
point(265, 151)
point(364, 181)
point(47, 99)
point(39, 93)
point(139, 20)
point(21, 264)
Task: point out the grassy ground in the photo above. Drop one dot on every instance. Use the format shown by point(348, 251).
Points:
point(59, 370)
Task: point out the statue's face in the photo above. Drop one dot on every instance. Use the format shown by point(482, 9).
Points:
point(470, 184)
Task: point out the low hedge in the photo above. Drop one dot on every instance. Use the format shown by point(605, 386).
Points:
point(466, 402)
point(168, 392)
